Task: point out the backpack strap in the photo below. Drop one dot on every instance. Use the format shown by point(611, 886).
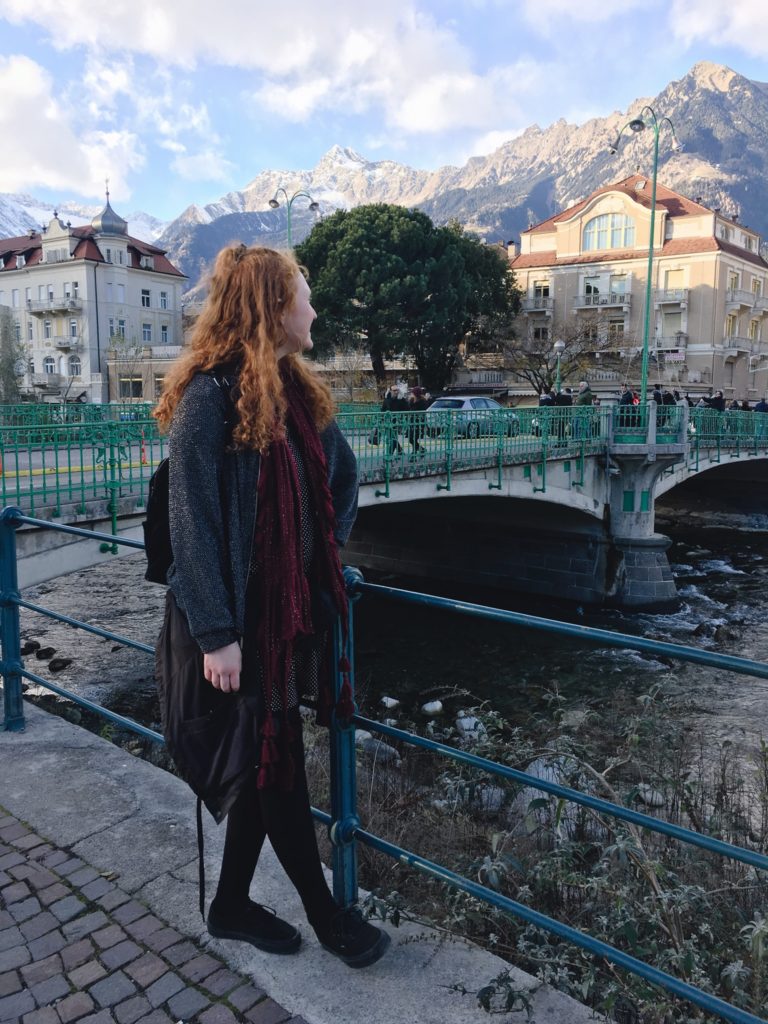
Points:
point(200, 858)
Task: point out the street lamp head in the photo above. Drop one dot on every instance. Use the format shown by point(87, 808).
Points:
point(559, 346)
point(314, 205)
point(274, 203)
point(637, 125)
point(613, 149)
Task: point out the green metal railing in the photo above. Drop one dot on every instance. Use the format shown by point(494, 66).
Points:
point(345, 828)
point(47, 466)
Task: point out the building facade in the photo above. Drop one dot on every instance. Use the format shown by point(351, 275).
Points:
point(585, 270)
point(86, 299)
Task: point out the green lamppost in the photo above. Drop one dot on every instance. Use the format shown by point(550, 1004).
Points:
point(274, 202)
point(648, 119)
point(559, 347)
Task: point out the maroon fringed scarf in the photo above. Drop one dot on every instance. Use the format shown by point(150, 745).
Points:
point(282, 589)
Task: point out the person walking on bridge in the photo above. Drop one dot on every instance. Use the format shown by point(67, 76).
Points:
point(262, 492)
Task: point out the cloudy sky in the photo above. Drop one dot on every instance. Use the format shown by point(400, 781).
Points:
point(179, 102)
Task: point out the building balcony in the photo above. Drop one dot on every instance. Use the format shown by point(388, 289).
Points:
point(671, 297)
point(761, 304)
point(165, 351)
point(678, 340)
point(48, 381)
point(537, 304)
point(738, 343)
point(608, 299)
point(738, 298)
point(68, 344)
point(38, 307)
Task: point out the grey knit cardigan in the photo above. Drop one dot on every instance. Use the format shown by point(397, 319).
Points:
point(212, 511)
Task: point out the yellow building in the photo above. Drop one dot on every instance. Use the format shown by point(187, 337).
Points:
point(583, 273)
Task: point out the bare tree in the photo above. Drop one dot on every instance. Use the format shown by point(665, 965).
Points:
point(13, 357)
point(350, 368)
point(126, 361)
point(589, 339)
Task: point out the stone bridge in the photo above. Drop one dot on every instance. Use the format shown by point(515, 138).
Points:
point(556, 502)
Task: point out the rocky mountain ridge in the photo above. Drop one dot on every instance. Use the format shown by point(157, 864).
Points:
point(720, 117)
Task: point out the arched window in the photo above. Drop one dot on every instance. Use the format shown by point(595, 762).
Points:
point(74, 366)
point(49, 365)
point(609, 231)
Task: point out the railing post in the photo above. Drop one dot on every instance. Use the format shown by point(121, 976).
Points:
point(11, 665)
point(343, 766)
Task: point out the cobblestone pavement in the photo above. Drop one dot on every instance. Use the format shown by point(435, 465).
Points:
point(75, 947)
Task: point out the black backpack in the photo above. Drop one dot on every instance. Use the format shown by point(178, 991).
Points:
point(156, 525)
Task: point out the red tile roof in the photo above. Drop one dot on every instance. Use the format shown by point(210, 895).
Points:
point(672, 247)
point(30, 246)
point(675, 204)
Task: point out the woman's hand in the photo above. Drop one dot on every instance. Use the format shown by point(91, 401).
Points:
point(222, 668)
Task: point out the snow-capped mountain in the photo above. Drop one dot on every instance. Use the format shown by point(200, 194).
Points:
point(720, 117)
point(22, 213)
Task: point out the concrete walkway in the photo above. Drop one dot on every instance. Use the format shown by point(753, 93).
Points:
point(99, 920)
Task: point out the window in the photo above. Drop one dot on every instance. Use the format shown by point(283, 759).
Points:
point(164, 334)
point(749, 242)
point(74, 289)
point(753, 332)
point(30, 331)
point(108, 256)
point(673, 280)
point(757, 287)
point(120, 256)
point(73, 328)
point(159, 384)
point(31, 364)
point(15, 298)
point(67, 290)
point(618, 284)
point(609, 231)
point(17, 330)
point(28, 295)
point(146, 333)
point(74, 366)
point(725, 233)
point(47, 329)
point(49, 365)
point(163, 300)
point(541, 289)
point(50, 293)
point(20, 261)
point(41, 292)
point(121, 293)
point(592, 288)
point(111, 322)
point(733, 280)
point(121, 328)
point(110, 295)
point(615, 330)
point(731, 326)
point(130, 387)
point(540, 333)
point(145, 298)
point(590, 331)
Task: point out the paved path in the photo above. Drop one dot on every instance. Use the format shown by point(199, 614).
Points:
point(99, 920)
point(74, 946)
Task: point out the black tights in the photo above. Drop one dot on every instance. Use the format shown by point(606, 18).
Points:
point(286, 818)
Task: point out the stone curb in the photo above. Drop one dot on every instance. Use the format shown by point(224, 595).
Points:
point(74, 947)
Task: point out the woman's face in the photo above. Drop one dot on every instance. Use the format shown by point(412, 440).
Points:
point(298, 320)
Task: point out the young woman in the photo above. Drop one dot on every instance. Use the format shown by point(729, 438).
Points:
point(263, 490)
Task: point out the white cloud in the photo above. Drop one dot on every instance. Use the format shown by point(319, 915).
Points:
point(365, 55)
point(204, 166)
point(743, 25)
point(45, 148)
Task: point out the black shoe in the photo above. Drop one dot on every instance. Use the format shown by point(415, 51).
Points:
point(352, 939)
point(255, 924)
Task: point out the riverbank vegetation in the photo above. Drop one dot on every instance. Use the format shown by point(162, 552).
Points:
point(693, 914)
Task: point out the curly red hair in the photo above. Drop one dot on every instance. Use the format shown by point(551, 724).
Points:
point(241, 324)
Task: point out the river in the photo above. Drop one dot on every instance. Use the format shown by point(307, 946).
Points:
point(720, 561)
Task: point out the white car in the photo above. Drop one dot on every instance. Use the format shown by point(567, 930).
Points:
point(472, 417)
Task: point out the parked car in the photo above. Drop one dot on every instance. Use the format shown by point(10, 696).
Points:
point(473, 416)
